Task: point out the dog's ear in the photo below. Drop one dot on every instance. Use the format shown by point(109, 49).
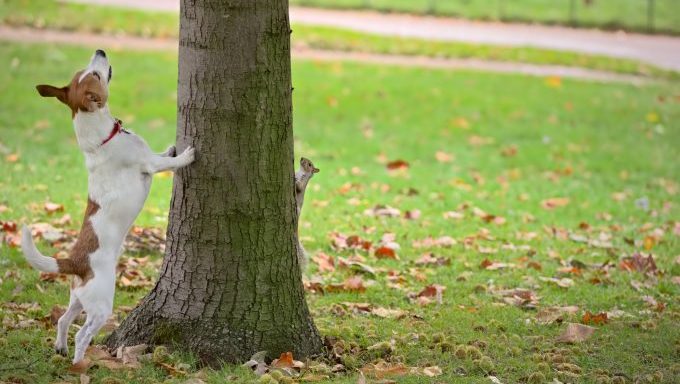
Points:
point(50, 91)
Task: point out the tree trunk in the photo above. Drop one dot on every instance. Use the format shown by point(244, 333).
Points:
point(230, 284)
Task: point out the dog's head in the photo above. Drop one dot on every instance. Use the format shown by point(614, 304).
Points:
point(89, 88)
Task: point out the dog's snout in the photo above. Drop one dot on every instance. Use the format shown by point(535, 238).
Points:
point(100, 52)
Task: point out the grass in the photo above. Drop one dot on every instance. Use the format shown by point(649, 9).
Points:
point(623, 14)
point(571, 139)
point(118, 21)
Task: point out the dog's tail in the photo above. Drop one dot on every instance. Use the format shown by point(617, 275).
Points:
point(34, 257)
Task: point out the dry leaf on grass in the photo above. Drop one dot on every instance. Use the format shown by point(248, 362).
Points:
point(551, 315)
point(520, 297)
point(432, 371)
point(575, 333)
point(638, 262)
point(564, 282)
point(397, 164)
point(80, 367)
point(386, 253)
point(325, 262)
point(382, 369)
point(53, 207)
point(596, 319)
point(554, 202)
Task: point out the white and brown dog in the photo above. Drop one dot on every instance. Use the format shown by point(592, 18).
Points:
point(120, 166)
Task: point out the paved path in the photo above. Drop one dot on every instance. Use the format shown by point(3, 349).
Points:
point(146, 44)
point(662, 51)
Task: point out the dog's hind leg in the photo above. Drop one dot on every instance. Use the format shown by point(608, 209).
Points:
point(95, 321)
point(74, 309)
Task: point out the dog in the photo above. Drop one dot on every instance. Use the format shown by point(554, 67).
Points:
point(120, 167)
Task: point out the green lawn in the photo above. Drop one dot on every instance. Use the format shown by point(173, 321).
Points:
point(119, 21)
point(513, 142)
point(606, 14)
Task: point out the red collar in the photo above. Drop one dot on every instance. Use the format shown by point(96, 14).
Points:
point(117, 127)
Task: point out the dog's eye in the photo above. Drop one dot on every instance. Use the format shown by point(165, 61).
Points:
point(96, 74)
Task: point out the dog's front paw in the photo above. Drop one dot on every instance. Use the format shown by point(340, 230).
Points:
point(61, 350)
point(188, 156)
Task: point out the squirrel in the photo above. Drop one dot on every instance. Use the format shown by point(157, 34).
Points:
point(302, 177)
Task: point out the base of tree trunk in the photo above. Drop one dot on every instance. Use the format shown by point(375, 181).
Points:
point(212, 342)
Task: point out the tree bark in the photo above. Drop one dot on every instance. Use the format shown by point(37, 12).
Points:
point(230, 284)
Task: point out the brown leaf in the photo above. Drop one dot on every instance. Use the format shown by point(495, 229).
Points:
point(388, 313)
point(397, 164)
point(493, 265)
point(53, 207)
point(551, 315)
point(8, 226)
point(80, 367)
point(412, 214)
point(172, 370)
point(354, 284)
point(430, 259)
point(554, 202)
point(385, 253)
point(575, 333)
point(599, 319)
point(383, 369)
point(638, 262)
point(284, 361)
point(432, 371)
point(326, 262)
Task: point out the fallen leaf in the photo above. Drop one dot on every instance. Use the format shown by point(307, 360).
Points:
point(564, 282)
point(385, 253)
point(397, 164)
point(520, 297)
point(443, 157)
point(8, 226)
point(383, 211)
point(53, 207)
point(326, 262)
point(80, 367)
point(575, 333)
point(383, 369)
point(598, 319)
point(638, 262)
point(284, 361)
point(430, 259)
point(432, 371)
point(551, 315)
point(554, 202)
point(387, 313)
point(413, 214)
